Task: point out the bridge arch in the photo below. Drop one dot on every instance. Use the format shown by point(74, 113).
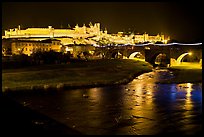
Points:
point(99, 53)
point(136, 55)
point(187, 58)
point(159, 58)
point(114, 53)
point(179, 59)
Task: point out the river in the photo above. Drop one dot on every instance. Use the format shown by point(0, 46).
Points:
point(141, 107)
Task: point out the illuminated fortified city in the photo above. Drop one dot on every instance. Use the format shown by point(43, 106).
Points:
point(83, 35)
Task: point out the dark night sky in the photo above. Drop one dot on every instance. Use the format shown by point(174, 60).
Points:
point(180, 21)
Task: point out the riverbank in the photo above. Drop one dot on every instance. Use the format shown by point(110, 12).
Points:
point(90, 73)
point(184, 75)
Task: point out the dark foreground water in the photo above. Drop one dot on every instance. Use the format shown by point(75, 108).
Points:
point(141, 107)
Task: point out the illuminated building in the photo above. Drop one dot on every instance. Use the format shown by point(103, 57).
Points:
point(30, 46)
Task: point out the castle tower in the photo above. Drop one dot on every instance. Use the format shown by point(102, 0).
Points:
point(97, 28)
point(90, 25)
point(162, 37)
point(69, 26)
point(51, 31)
point(84, 29)
point(105, 31)
point(145, 35)
point(19, 27)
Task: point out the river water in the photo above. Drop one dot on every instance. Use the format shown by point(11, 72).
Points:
point(140, 107)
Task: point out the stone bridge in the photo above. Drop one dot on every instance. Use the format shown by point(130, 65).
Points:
point(170, 53)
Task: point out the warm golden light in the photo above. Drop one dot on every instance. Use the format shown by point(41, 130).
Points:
point(189, 89)
point(190, 53)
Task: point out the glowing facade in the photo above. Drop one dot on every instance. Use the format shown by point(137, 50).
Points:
point(29, 46)
point(83, 35)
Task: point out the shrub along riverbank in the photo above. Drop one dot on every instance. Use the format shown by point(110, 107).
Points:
point(89, 73)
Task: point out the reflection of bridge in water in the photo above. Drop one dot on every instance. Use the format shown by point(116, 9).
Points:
point(166, 54)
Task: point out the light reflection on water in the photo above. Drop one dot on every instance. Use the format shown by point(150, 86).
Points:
point(139, 108)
